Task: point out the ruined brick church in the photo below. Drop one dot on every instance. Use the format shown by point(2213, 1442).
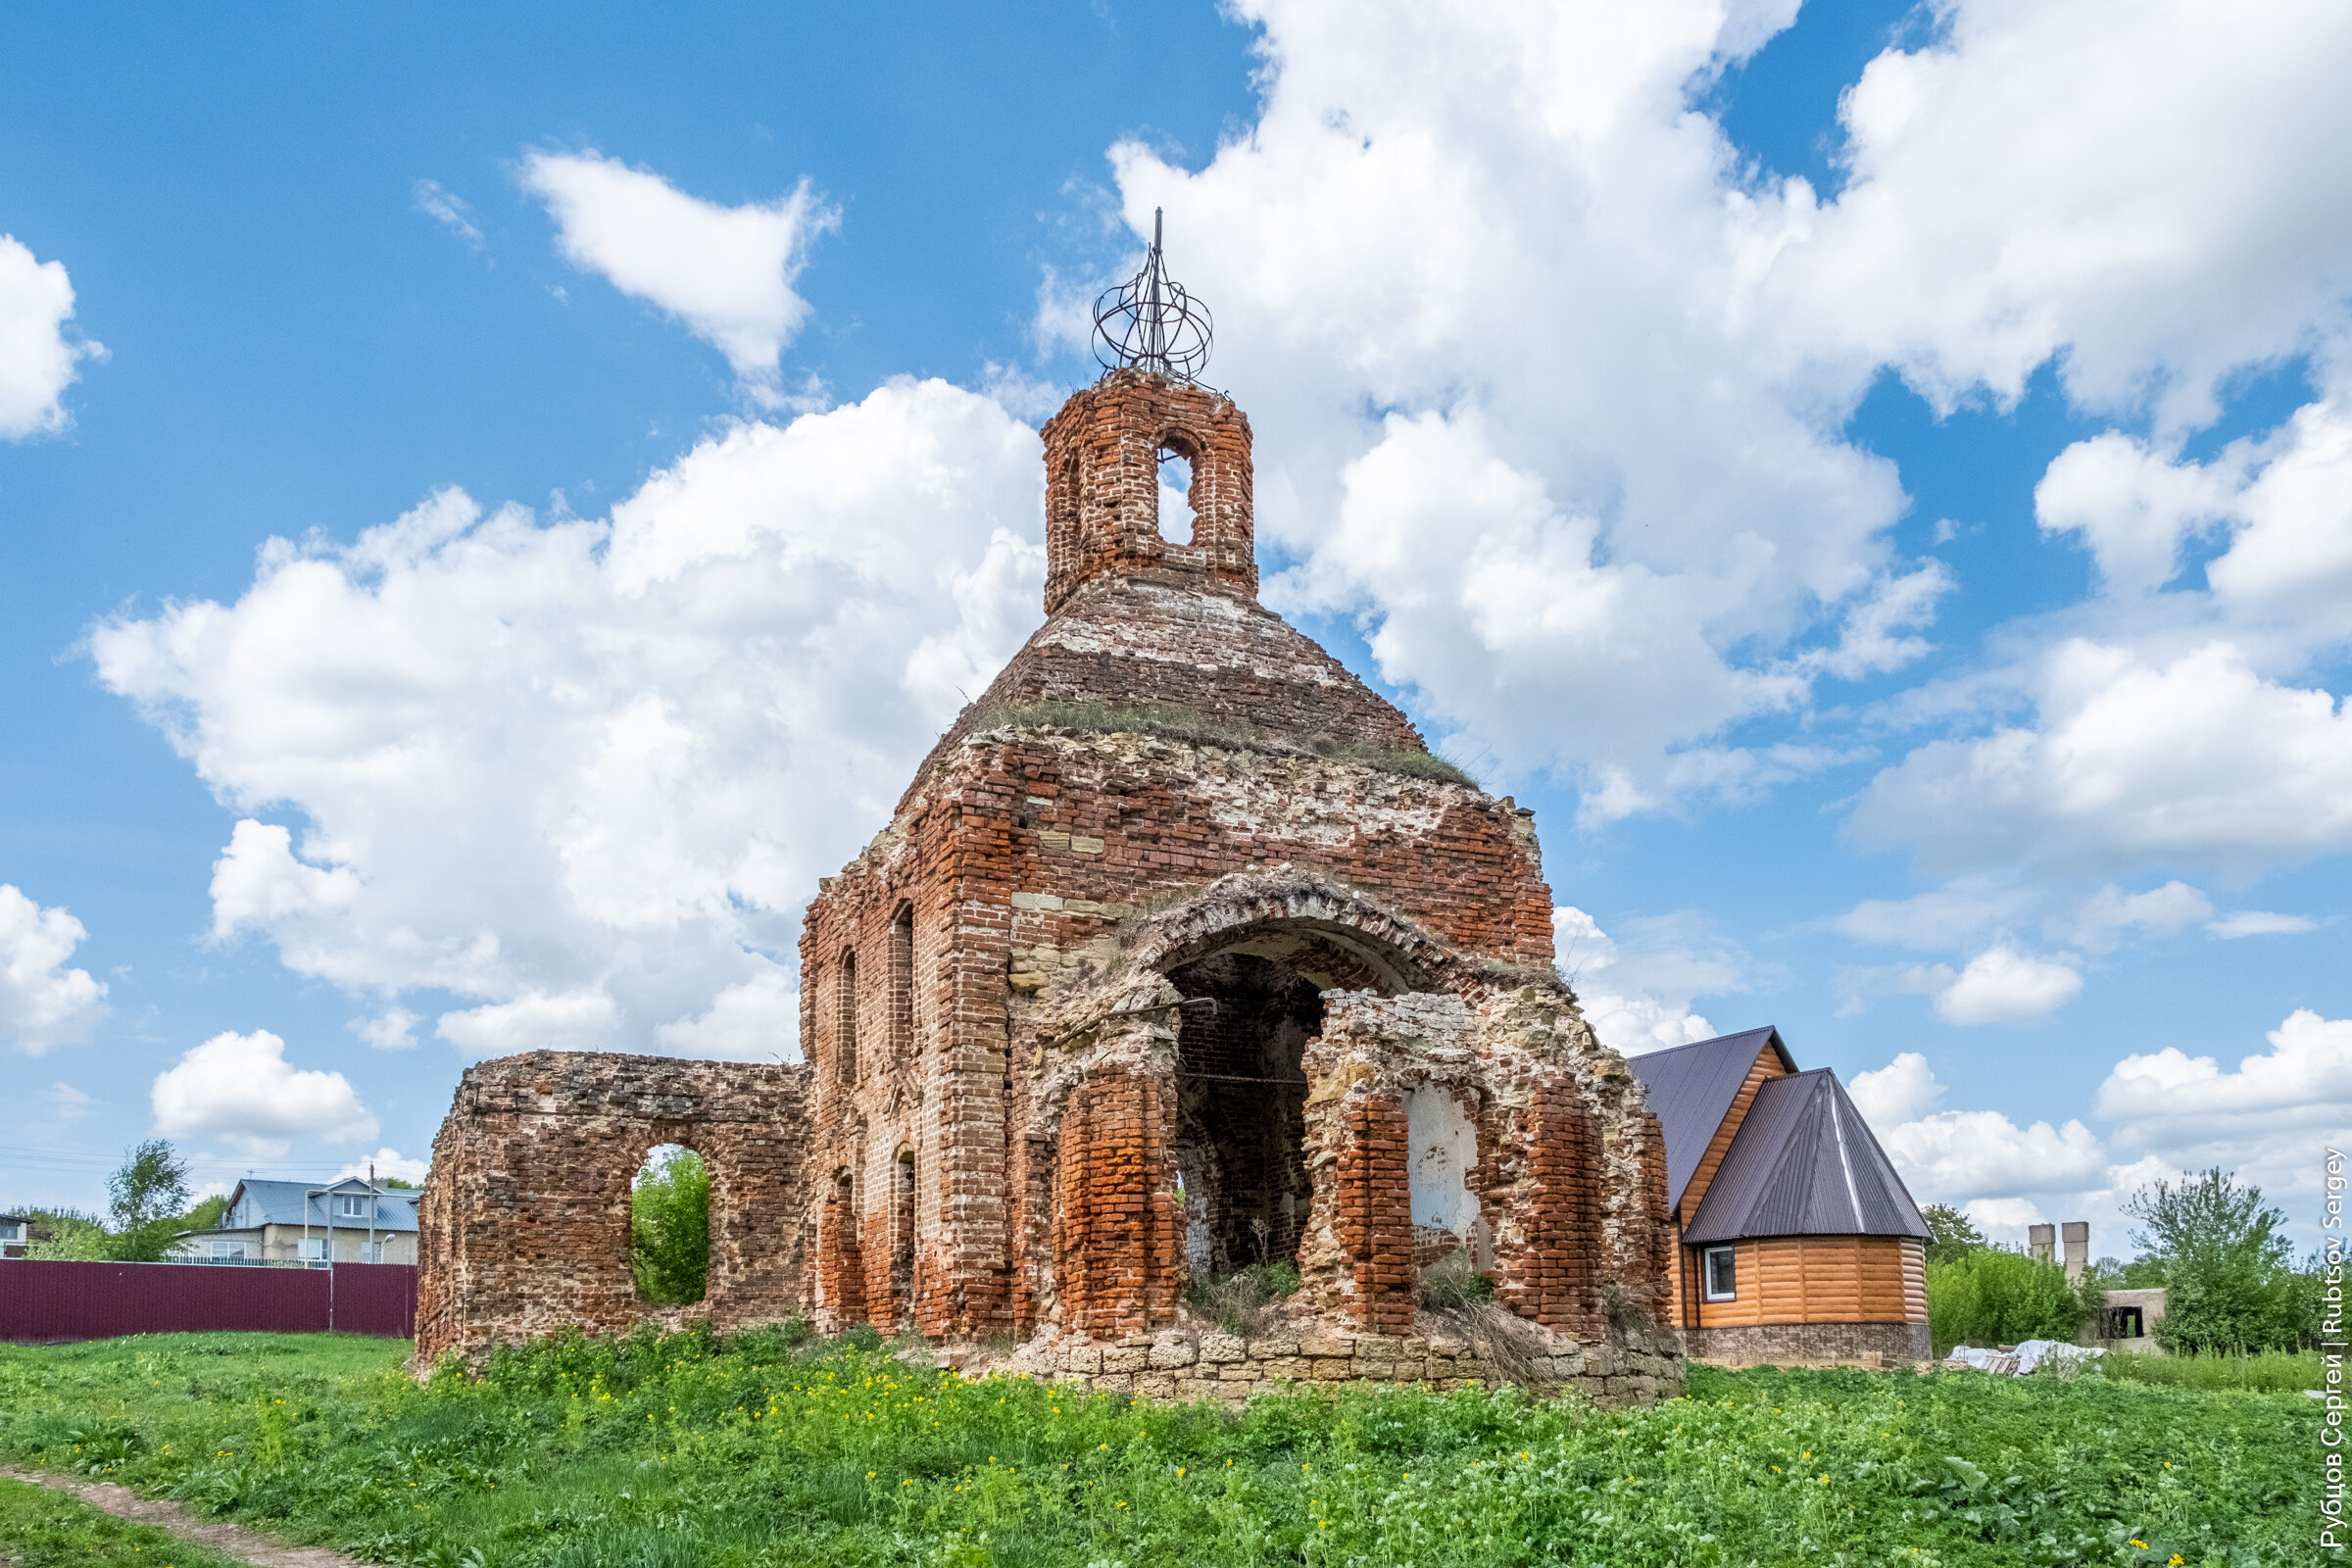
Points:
point(1180, 952)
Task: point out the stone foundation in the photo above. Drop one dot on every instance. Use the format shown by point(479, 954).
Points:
point(1195, 1364)
point(1868, 1344)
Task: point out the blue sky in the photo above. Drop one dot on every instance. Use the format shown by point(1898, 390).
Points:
point(1910, 598)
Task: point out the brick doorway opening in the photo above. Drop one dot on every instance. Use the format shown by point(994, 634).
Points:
point(1240, 1109)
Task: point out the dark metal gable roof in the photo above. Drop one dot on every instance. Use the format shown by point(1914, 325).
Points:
point(1691, 1089)
point(1804, 1163)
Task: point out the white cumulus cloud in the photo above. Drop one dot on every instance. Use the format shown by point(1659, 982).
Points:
point(38, 358)
point(2290, 1098)
point(2003, 985)
point(580, 1021)
point(2196, 759)
point(391, 1030)
point(1904, 1090)
point(42, 1003)
point(387, 1164)
point(1638, 993)
point(725, 271)
point(584, 773)
point(758, 1021)
point(242, 1089)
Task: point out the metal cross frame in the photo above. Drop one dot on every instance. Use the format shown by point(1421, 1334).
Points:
point(1150, 323)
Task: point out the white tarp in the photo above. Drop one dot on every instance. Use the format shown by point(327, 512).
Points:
point(2025, 1359)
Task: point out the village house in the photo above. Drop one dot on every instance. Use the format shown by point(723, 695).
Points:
point(1795, 1240)
point(348, 1221)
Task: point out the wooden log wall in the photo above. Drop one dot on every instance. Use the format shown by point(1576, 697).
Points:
point(1823, 1279)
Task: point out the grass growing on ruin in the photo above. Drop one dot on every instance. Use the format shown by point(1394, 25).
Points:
point(681, 1450)
point(1175, 721)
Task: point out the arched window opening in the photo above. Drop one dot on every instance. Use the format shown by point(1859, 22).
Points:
point(902, 983)
point(845, 1021)
point(1179, 520)
point(670, 1226)
point(902, 1235)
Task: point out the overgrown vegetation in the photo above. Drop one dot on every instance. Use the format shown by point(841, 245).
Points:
point(2229, 1281)
point(1240, 1302)
point(2218, 1250)
point(1451, 1283)
point(2270, 1371)
point(1177, 723)
point(669, 1227)
point(1456, 1300)
point(44, 1529)
point(1990, 1295)
point(685, 1450)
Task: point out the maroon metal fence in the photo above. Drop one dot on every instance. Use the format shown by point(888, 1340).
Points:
point(53, 1303)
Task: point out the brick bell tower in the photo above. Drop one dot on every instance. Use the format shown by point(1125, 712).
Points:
point(1105, 455)
point(1111, 447)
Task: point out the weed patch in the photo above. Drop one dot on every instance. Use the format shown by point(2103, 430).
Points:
point(751, 1452)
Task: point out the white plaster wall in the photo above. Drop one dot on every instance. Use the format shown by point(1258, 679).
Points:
point(1444, 1146)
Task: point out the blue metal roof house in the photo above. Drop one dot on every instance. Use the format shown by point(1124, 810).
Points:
point(348, 1221)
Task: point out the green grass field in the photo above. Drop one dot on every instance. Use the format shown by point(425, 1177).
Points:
point(39, 1529)
point(651, 1453)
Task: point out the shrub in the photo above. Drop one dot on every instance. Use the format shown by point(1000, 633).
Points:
point(1451, 1282)
point(1995, 1296)
point(1951, 1235)
point(1239, 1301)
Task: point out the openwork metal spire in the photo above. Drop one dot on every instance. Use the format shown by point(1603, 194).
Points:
point(1150, 323)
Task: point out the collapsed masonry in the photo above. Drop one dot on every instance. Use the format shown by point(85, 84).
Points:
point(1180, 954)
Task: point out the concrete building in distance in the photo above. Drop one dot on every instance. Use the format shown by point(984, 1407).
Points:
point(347, 1221)
point(1794, 1239)
point(1179, 953)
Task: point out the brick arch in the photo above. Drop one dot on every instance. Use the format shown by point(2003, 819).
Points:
point(1330, 933)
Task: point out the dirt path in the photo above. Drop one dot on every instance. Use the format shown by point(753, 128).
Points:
point(263, 1552)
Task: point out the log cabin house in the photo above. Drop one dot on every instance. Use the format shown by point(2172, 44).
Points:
point(1794, 1239)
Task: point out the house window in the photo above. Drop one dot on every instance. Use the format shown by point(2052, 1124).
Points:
point(355, 1205)
point(230, 1251)
point(314, 1250)
point(1720, 1280)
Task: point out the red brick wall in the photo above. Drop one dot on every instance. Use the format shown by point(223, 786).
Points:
point(1116, 1248)
point(1375, 1218)
point(524, 1227)
point(1103, 485)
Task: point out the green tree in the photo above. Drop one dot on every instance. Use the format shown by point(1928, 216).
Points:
point(68, 1235)
point(145, 1199)
point(1950, 1235)
point(2229, 1278)
point(670, 1227)
point(207, 1215)
point(1990, 1295)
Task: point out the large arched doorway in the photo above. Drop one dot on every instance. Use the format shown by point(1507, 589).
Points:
point(1252, 998)
point(1240, 1109)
